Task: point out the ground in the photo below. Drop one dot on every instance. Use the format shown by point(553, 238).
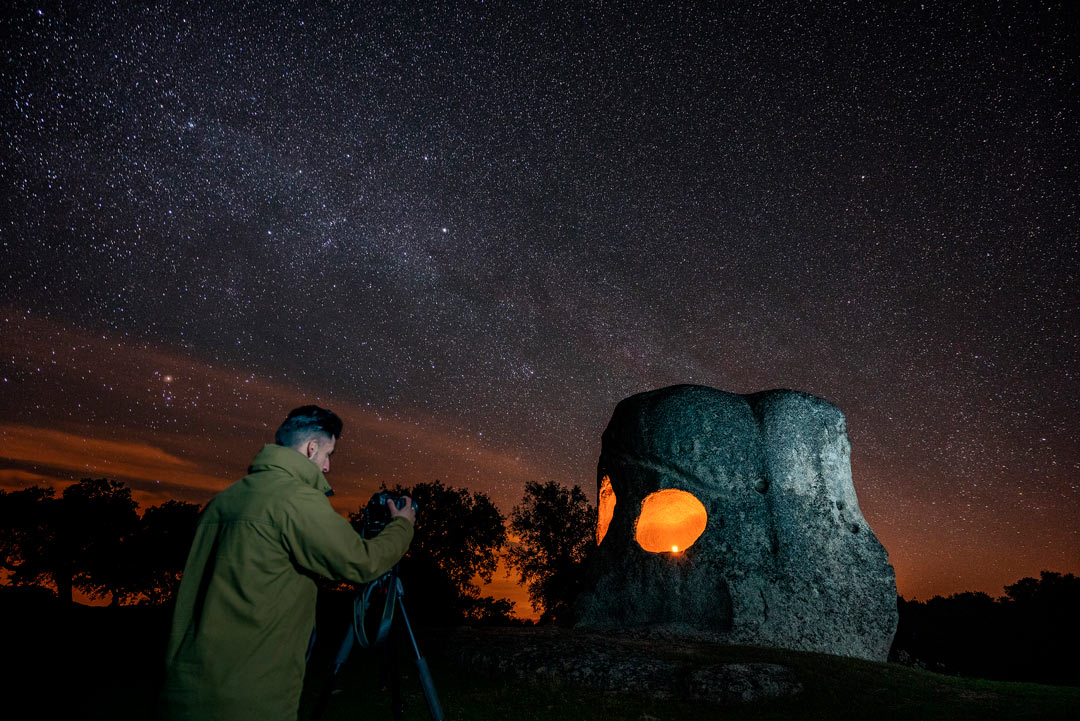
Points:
point(105, 663)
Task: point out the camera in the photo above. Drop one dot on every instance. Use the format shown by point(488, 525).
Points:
point(377, 515)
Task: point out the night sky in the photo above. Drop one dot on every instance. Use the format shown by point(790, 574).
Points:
point(471, 229)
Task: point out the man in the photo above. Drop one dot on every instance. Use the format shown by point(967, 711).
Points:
point(246, 604)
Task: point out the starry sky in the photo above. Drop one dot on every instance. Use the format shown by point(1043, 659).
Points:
point(472, 228)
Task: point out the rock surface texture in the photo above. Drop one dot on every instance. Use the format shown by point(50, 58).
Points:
point(620, 664)
point(786, 558)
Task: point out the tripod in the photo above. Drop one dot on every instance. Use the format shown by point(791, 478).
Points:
point(391, 584)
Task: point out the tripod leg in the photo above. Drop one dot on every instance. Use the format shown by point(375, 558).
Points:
point(428, 686)
point(339, 661)
point(426, 683)
point(397, 701)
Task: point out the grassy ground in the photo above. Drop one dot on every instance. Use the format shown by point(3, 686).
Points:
point(101, 663)
point(834, 689)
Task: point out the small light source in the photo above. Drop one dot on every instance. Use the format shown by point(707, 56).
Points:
point(606, 508)
point(670, 520)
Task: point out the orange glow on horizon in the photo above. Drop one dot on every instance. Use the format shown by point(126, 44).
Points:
point(670, 520)
point(219, 417)
point(605, 508)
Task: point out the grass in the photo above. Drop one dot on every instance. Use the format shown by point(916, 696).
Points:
point(102, 663)
point(835, 689)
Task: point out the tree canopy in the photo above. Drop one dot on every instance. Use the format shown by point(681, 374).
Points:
point(554, 527)
point(162, 544)
point(93, 539)
point(458, 539)
point(1030, 633)
point(28, 549)
point(98, 522)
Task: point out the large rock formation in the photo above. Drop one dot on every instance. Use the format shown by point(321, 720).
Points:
point(784, 557)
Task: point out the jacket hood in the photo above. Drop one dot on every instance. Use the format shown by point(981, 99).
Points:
point(292, 462)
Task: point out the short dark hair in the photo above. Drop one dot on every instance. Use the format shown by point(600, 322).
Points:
point(304, 422)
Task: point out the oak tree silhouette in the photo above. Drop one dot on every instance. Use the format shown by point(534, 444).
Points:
point(459, 536)
point(98, 521)
point(554, 527)
point(28, 549)
point(1031, 633)
point(161, 547)
point(92, 538)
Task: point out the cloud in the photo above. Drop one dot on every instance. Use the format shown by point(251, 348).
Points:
point(96, 457)
point(99, 403)
point(15, 478)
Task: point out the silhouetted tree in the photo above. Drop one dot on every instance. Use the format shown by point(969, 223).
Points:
point(1043, 615)
point(162, 544)
point(555, 527)
point(1052, 592)
point(28, 547)
point(458, 539)
point(1031, 633)
point(99, 524)
point(81, 539)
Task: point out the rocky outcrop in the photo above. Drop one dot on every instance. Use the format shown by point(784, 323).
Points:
point(785, 559)
point(620, 664)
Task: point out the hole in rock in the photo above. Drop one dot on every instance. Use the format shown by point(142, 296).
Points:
point(670, 521)
point(606, 508)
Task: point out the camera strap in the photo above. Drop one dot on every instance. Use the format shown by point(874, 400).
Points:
point(363, 602)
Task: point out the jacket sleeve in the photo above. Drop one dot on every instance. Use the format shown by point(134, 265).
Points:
point(323, 542)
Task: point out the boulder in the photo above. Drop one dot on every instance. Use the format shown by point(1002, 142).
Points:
point(753, 529)
point(621, 664)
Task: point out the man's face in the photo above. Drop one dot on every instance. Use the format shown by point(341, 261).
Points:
point(319, 452)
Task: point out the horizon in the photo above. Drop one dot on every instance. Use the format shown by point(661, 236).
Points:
point(505, 583)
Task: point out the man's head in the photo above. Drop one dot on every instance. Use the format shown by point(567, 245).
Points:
point(312, 431)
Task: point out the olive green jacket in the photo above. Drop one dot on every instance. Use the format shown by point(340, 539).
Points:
point(246, 604)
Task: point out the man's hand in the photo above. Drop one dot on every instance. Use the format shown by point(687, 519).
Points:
point(408, 512)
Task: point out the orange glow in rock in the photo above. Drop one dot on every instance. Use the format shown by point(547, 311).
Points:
point(670, 520)
point(606, 508)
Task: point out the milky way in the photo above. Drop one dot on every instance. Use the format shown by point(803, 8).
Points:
point(475, 229)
